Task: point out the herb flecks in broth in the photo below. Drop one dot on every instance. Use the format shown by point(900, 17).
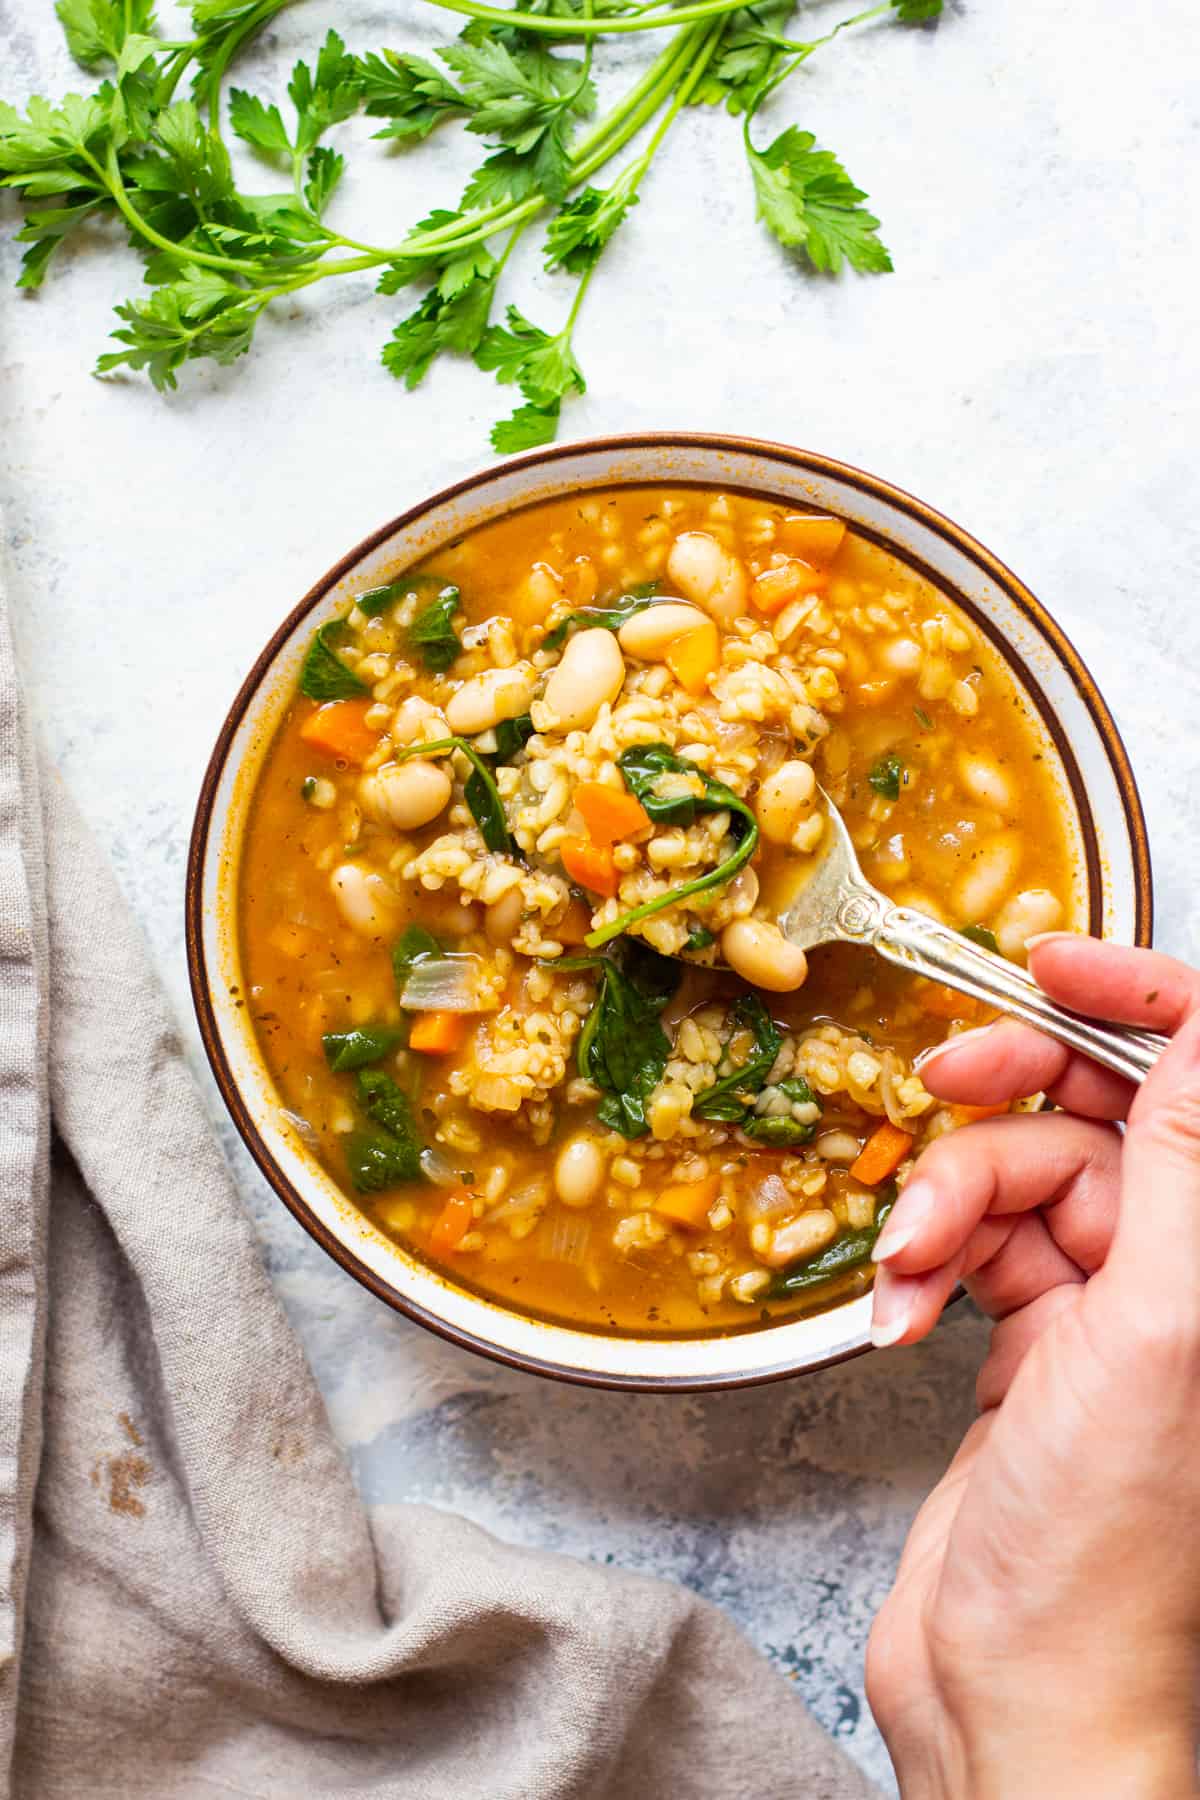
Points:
point(514, 959)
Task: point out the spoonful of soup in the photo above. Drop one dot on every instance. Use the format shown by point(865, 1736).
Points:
point(828, 899)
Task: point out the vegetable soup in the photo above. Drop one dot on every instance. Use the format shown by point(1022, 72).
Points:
point(505, 899)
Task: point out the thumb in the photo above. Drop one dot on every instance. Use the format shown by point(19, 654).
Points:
point(1156, 1248)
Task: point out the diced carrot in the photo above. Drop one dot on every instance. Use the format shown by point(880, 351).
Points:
point(966, 1115)
point(293, 940)
point(609, 813)
point(946, 1002)
point(452, 1223)
point(590, 865)
point(438, 1033)
point(815, 538)
point(687, 1203)
point(693, 657)
point(340, 729)
point(775, 588)
point(883, 1152)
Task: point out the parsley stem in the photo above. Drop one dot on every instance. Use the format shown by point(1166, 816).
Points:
point(215, 73)
point(662, 19)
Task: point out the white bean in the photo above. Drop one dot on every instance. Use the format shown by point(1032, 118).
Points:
point(483, 700)
point(407, 794)
point(782, 799)
point(837, 1147)
point(982, 779)
point(502, 919)
point(758, 952)
point(648, 635)
point(1022, 917)
point(365, 900)
point(801, 1237)
point(987, 878)
point(579, 1171)
point(708, 574)
point(591, 673)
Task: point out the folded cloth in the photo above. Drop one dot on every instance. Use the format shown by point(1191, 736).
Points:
point(193, 1601)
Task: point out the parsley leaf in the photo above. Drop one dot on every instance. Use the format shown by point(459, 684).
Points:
point(916, 12)
point(543, 367)
point(457, 322)
point(324, 676)
point(326, 95)
point(579, 233)
point(409, 92)
point(808, 201)
point(97, 30)
point(258, 124)
point(524, 96)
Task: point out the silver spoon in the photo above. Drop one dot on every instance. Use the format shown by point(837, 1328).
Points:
point(836, 903)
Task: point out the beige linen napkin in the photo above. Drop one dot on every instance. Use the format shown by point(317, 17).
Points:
point(193, 1601)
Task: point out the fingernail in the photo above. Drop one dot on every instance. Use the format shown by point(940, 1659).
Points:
point(950, 1043)
point(1048, 937)
point(915, 1205)
point(894, 1296)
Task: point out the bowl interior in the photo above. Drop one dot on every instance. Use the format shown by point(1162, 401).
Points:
point(1097, 786)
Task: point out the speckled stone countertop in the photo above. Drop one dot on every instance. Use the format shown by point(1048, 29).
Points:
point(1031, 369)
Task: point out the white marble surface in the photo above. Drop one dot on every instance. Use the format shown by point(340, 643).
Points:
point(1031, 368)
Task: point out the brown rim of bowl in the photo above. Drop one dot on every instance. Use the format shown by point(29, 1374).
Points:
point(811, 463)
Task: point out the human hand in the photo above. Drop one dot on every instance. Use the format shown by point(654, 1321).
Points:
point(1041, 1637)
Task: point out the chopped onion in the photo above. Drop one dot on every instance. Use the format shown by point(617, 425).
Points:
point(496, 1093)
point(437, 1167)
point(768, 1200)
point(568, 1238)
point(445, 984)
point(300, 1126)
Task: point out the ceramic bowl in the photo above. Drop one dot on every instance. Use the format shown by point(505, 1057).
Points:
point(1097, 786)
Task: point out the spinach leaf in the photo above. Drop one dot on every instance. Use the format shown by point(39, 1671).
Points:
point(611, 615)
point(886, 776)
point(345, 1050)
point(623, 1049)
point(324, 675)
point(413, 946)
point(979, 934)
point(432, 636)
point(512, 735)
point(699, 938)
point(643, 766)
point(850, 1251)
point(377, 600)
point(729, 1096)
point(390, 1150)
point(783, 1128)
point(480, 791)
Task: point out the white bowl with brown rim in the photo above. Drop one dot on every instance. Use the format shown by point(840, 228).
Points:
point(1097, 786)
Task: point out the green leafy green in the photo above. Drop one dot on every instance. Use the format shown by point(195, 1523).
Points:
point(916, 12)
point(345, 1050)
point(480, 791)
point(432, 636)
point(981, 935)
point(455, 321)
point(623, 1048)
point(410, 93)
point(413, 946)
point(611, 615)
point(850, 1251)
point(734, 1092)
point(525, 97)
point(390, 1152)
point(648, 770)
point(324, 676)
point(542, 366)
point(784, 1128)
point(98, 30)
point(511, 735)
point(326, 94)
point(578, 234)
point(699, 938)
point(808, 201)
point(887, 776)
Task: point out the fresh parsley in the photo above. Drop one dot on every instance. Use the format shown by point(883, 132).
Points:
point(146, 149)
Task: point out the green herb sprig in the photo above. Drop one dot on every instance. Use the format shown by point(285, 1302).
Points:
point(142, 149)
